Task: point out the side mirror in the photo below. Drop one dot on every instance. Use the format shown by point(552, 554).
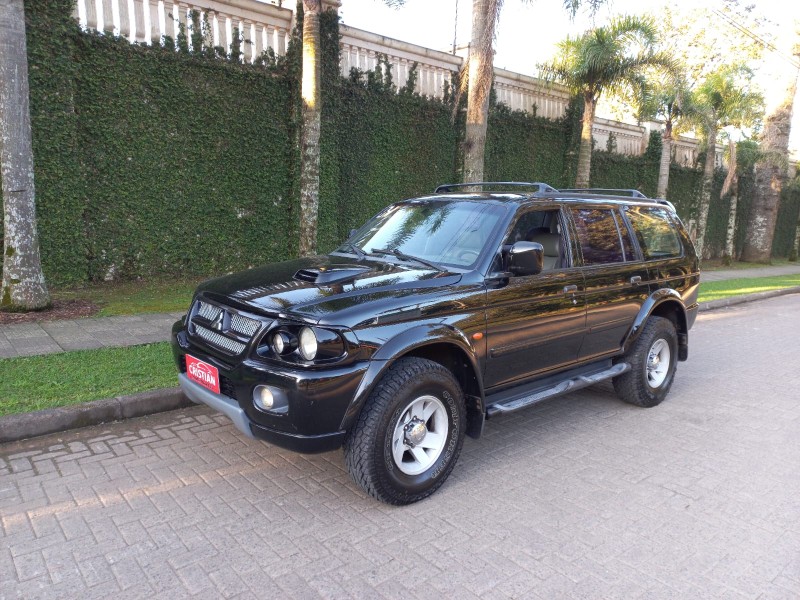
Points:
point(352, 231)
point(526, 258)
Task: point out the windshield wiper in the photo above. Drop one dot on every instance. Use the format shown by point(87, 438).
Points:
point(356, 250)
point(404, 256)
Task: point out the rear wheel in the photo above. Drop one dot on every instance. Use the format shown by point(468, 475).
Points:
point(653, 360)
point(409, 434)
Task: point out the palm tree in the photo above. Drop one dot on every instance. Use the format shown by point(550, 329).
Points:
point(310, 128)
point(485, 15)
point(669, 102)
point(771, 174)
point(725, 100)
point(23, 284)
point(741, 158)
point(613, 58)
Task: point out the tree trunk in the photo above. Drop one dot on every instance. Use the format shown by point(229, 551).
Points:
point(769, 179)
point(731, 185)
point(309, 136)
point(795, 251)
point(479, 81)
point(705, 189)
point(666, 160)
point(23, 286)
point(585, 148)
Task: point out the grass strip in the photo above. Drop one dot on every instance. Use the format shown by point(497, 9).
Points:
point(717, 290)
point(134, 297)
point(38, 382)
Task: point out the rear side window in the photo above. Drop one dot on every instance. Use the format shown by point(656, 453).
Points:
point(655, 232)
point(627, 243)
point(598, 236)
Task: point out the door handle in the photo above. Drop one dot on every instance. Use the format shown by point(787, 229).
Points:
point(570, 289)
point(636, 280)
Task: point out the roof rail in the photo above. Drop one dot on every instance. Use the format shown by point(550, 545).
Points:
point(540, 187)
point(667, 203)
point(608, 191)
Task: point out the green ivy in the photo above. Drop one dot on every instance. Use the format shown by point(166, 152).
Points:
point(181, 160)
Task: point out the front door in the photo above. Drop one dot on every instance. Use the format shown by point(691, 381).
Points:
point(535, 323)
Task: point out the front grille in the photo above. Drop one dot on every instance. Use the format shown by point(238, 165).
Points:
point(208, 311)
point(244, 325)
point(222, 327)
point(223, 342)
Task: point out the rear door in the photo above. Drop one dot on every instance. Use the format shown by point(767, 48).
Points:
point(658, 237)
point(616, 278)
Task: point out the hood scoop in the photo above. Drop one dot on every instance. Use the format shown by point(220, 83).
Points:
point(330, 275)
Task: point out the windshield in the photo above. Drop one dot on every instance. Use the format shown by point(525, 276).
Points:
point(447, 233)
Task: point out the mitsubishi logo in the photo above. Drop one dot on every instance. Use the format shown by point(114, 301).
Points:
point(217, 323)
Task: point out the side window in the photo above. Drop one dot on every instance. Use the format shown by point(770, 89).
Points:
point(598, 236)
point(627, 242)
point(654, 231)
point(544, 227)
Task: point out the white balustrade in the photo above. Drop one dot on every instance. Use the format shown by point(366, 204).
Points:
point(262, 25)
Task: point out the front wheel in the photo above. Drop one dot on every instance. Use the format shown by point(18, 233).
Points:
point(409, 434)
point(653, 360)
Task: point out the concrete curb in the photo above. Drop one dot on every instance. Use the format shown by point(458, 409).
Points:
point(53, 420)
point(733, 301)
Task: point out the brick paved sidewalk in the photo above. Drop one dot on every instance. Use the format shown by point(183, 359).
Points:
point(766, 271)
point(28, 339)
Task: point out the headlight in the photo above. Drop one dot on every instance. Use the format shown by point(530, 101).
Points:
point(302, 343)
point(308, 343)
point(283, 342)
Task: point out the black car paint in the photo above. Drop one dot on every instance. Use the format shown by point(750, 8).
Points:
point(485, 322)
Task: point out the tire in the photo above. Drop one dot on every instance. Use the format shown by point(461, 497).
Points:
point(653, 359)
point(390, 451)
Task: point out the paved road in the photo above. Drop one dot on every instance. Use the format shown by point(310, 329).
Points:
point(583, 497)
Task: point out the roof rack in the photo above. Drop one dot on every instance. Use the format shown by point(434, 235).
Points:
point(540, 187)
point(608, 191)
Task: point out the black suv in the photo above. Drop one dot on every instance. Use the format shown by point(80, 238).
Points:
point(438, 313)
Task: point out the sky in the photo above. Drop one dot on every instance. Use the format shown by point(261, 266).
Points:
point(529, 31)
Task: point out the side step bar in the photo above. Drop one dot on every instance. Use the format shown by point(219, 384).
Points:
point(559, 389)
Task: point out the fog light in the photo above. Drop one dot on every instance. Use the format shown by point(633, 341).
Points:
point(263, 398)
point(271, 399)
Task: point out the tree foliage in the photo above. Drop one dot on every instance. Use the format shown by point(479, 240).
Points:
point(613, 59)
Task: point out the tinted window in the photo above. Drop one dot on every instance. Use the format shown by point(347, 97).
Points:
point(627, 242)
point(598, 236)
point(654, 231)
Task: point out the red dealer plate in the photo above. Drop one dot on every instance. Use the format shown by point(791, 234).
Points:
point(203, 373)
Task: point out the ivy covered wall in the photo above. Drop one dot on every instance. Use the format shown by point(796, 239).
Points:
point(152, 161)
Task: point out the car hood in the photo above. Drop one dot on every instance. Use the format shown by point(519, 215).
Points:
point(330, 289)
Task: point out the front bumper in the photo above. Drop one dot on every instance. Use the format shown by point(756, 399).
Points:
point(318, 399)
point(307, 444)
